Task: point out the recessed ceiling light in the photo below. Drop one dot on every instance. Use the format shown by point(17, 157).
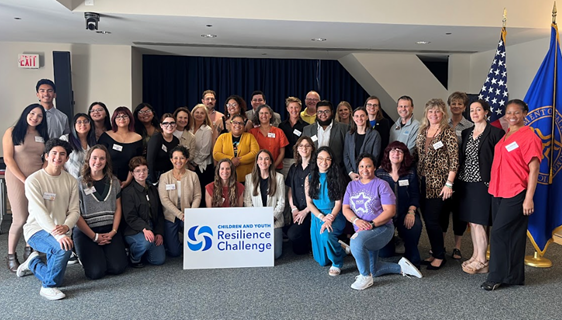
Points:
point(209, 35)
point(448, 33)
point(423, 42)
point(103, 32)
point(318, 39)
point(209, 25)
point(17, 18)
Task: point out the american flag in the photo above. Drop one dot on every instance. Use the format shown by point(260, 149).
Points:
point(494, 90)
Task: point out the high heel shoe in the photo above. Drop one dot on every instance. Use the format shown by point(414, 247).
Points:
point(432, 267)
point(12, 262)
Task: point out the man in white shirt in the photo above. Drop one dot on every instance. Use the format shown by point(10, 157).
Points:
point(57, 121)
point(53, 212)
point(406, 128)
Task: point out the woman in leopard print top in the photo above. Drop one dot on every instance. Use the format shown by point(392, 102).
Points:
point(437, 167)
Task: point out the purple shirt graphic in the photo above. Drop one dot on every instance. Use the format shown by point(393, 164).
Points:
point(366, 200)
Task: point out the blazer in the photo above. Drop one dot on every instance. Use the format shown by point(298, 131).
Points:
point(276, 201)
point(141, 207)
point(247, 151)
point(371, 144)
point(383, 127)
point(488, 141)
point(337, 138)
point(190, 194)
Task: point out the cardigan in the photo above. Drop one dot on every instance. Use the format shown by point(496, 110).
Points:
point(277, 201)
point(190, 193)
point(247, 151)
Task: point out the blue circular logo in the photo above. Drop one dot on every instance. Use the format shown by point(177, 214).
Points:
point(199, 238)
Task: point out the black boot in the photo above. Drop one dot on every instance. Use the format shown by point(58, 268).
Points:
point(12, 262)
point(27, 252)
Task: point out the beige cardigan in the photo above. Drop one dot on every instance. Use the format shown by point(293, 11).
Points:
point(277, 201)
point(190, 194)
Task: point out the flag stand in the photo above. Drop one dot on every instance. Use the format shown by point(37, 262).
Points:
point(538, 261)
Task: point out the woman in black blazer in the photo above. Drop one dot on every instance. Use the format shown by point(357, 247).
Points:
point(377, 120)
point(360, 138)
point(476, 156)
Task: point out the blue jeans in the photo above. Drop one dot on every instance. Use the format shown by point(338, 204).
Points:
point(365, 246)
point(138, 246)
point(51, 274)
point(171, 237)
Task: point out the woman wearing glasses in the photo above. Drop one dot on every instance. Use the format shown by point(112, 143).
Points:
point(235, 105)
point(122, 143)
point(159, 147)
point(100, 116)
point(238, 146)
point(146, 123)
point(377, 119)
point(81, 139)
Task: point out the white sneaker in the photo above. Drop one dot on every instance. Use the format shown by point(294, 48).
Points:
point(362, 282)
point(73, 259)
point(408, 269)
point(345, 247)
point(52, 293)
point(23, 269)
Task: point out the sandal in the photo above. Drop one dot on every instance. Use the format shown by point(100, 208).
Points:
point(456, 254)
point(467, 262)
point(476, 267)
point(334, 271)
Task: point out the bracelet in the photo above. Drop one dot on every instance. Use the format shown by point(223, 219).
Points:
point(114, 230)
point(319, 216)
point(412, 212)
point(294, 209)
point(96, 238)
point(449, 185)
point(354, 220)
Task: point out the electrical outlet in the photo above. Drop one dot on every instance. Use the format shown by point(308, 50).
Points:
point(89, 2)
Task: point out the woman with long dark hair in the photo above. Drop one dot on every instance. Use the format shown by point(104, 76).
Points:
point(324, 190)
point(23, 146)
point(100, 115)
point(159, 148)
point(266, 188)
point(145, 122)
point(233, 105)
point(361, 138)
point(81, 138)
point(225, 191)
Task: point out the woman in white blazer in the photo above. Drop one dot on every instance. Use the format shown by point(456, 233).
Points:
point(266, 186)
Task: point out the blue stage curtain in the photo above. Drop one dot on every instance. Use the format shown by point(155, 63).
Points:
point(173, 81)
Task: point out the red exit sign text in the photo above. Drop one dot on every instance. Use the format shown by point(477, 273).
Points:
point(28, 61)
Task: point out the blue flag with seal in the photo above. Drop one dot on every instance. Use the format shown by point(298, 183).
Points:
point(545, 106)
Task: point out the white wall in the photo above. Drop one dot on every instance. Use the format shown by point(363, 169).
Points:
point(99, 73)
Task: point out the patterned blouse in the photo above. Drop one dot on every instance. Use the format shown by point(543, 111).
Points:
point(470, 171)
point(437, 160)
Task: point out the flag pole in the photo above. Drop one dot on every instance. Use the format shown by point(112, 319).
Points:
point(538, 260)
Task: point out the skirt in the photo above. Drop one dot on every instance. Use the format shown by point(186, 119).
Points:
point(475, 203)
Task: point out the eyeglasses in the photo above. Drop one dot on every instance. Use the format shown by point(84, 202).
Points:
point(324, 159)
point(312, 99)
point(140, 170)
point(171, 124)
point(304, 146)
point(236, 123)
point(122, 116)
point(324, 112)
point(397, 151)
point(97, 110)
point(145, 112)
point(232, 105)
point(372, 105)
point(83, 121)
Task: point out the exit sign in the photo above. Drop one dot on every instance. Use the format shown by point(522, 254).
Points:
point(28, 61)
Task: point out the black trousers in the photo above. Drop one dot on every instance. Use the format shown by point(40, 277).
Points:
point(431, 212)
point(299, 234)
point(452, 206)
point(508, 240)
point(100, 260)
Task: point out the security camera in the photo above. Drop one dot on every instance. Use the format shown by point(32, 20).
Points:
point(92, 20)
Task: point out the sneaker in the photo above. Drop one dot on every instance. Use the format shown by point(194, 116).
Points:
point(345, 247)
point(23, 269)
point(362, 282)
point(408, 269)
point(73, 260)
point(52, 293)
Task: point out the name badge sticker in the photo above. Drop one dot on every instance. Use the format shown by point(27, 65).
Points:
point(39, 139)
point(117, 147)
point(438, 145)
point(89, 191)
point(512, 146)
point(164, 148)
point(297, 133)
point(406, 133)
point(314, 138)
point(403, 183)
point(271, 135)
point(49, 196)
point(171, 187)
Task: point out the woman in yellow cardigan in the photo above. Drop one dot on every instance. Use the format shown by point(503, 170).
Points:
point(178, 189)
point(238, 146)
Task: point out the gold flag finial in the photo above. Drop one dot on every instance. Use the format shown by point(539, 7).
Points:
point(554, 13)
point(504, 20)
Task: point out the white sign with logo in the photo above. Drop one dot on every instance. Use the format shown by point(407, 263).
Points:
point(228, 238)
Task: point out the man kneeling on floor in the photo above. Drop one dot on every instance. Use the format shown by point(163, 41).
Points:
point(53, 211)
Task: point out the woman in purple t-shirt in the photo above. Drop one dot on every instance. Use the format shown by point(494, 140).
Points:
point(369, 204)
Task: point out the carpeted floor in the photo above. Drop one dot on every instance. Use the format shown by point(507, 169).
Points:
point(296, 288)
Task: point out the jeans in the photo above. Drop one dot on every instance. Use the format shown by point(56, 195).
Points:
point(171, 237)
point(138, 246)
point(51, 274)
point(365, 246)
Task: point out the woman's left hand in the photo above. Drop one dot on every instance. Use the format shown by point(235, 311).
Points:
point(409, 221)
point(329, 217)
point(363, 225)
point(446, 193)
point(528, 207)
point(326, 226)
point(158, 240)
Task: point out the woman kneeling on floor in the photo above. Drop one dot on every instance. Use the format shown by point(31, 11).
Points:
point(370, 204)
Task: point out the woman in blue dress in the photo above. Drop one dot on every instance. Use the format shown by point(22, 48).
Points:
point(324, 190)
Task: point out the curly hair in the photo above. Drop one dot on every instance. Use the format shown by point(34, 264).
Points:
point(231, 184)
point(298, 158)
point(86, 171)
point(241, 104)
point(334, 179)
point(406, 161)
point(272, 182)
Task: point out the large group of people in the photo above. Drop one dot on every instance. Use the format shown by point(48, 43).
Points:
point(115, 188)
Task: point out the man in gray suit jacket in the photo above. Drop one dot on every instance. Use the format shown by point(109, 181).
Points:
point(326, 131)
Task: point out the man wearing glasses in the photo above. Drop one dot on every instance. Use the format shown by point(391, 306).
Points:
point(309, 113)
point(209, 99)
point(57, 121)
point(326, 131)
point(258, 99)
point(405, 129)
